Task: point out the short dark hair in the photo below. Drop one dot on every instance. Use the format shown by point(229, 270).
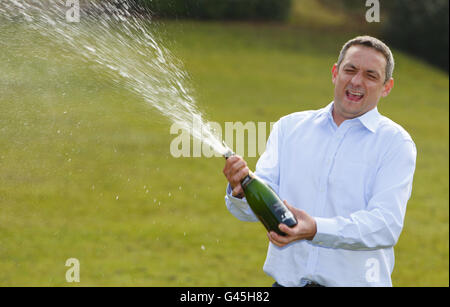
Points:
point(374, 43)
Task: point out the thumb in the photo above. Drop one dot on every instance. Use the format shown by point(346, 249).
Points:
point(289, 206)
point(294, 210)
point(237, 191)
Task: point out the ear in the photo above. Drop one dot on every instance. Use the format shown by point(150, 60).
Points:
point(334, 73)
point(387, 87)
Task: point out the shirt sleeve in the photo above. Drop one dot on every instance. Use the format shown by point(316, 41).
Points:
point(267, 169)
point(380, 224)
point(239, 207)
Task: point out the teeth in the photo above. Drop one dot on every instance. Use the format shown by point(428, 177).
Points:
point(356, 93)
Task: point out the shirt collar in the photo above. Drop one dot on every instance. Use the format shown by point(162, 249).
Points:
point(370, 119)
point(326, 111)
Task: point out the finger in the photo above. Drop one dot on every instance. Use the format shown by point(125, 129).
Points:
point(279, 240)
point(232, 165)
point(235, 168)
point(288, 206)
point(279, 244)
point(237, 191)
point(229, 162)
point(294, 210)
point(287, 230)
point(238, 165)
point(240, 175)
point(233, 159)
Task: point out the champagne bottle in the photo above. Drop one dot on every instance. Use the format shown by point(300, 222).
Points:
point(265, 203)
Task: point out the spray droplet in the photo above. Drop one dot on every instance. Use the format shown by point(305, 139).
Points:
point(152, 73)
point(203, 247)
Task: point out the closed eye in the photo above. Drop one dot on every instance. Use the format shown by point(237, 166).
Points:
point(373, 77)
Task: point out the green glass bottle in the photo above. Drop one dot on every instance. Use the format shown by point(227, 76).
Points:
point(265, 203)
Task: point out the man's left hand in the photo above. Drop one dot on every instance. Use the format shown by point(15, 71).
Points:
point(304, 230)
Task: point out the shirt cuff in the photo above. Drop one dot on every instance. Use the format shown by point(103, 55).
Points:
point(234, 200)
point(239, 207)
point(327, 232)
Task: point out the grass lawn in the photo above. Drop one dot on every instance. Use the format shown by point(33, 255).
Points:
point(86, 171)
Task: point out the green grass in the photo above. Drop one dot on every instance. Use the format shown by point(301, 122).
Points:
point(314, 13)
point(79, 153)
point(333, 16)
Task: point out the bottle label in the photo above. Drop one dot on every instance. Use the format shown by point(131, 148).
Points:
point(282, 212)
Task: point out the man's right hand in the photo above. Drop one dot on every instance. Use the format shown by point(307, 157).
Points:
point(235, 170)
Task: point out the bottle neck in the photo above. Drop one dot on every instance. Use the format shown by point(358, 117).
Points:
point(247, 179)
point(228, 154)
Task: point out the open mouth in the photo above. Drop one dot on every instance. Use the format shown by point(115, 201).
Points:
point(354, 95)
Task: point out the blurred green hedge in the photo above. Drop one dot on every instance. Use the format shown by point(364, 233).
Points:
point(421, 28)
point(220, 9)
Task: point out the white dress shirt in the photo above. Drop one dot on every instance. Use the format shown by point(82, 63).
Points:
point(355, 180)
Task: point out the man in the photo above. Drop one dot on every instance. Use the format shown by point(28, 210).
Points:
point(346, 173)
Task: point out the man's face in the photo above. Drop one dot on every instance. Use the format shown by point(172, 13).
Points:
point(359, 82)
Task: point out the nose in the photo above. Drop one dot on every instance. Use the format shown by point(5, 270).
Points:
point(357, 79)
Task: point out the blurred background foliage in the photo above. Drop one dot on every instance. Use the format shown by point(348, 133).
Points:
point(221, 9)
point(418, 27)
